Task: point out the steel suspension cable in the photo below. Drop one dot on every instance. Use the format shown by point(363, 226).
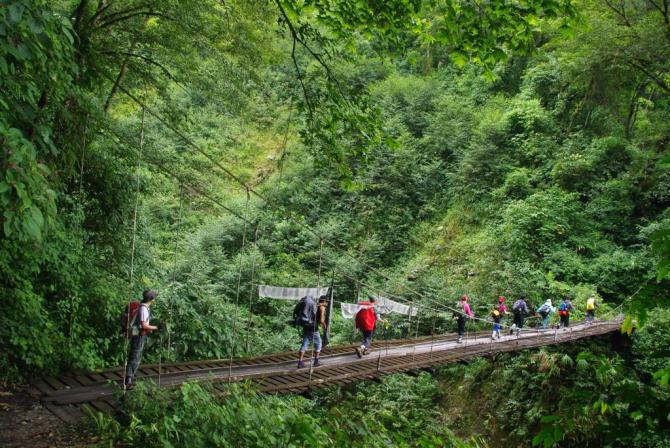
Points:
point(132, 251)
point(441, 308)
point(239, 282)
point(316, 321)
point(168, 322)
point(252, 289)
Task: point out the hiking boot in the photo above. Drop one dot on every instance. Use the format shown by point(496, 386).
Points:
point(301, 364)
point(130, 386)
point(459, 340)
point(316, 363)
point(358, 352)
point(366, 351)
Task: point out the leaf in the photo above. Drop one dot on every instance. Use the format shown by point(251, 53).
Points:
point(15, 12)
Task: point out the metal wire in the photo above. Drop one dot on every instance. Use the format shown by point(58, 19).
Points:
point(132, 251)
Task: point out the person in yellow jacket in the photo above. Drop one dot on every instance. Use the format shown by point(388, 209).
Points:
point(591, 306)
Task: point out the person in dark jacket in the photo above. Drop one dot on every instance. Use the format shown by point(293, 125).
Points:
point(310, 330)
point(564, 312)
point(520, 310)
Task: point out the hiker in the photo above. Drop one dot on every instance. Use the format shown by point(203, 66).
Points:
point(307, 315)
point(545, 311)
point(591, 306)
point(462, 316)
point(497, 318)
point(141, 323)
point(564, 312)
point(323, 319)
point(519, 309)
point(366, 320)
point(501, 306)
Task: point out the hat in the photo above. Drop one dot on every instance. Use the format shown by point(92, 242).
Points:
point(501, 299)
point(148, 295)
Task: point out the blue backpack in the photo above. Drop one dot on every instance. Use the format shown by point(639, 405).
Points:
point(563, 307)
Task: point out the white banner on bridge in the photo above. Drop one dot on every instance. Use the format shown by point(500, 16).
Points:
point(282, 293)
point(383, 305)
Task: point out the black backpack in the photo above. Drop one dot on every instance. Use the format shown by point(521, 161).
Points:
point(304, 313)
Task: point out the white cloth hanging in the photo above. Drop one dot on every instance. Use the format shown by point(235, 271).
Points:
point(383, 306)
point(282, 293)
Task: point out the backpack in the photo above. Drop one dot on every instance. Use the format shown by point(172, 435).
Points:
point(543, 310)
point(304, 313)
point(366, 318)
point(591, 304)
point(130, 325)
point(563, 307)
point(495, 313)
point(518, 306)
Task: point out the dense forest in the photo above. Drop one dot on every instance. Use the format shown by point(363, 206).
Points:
point(424, 149)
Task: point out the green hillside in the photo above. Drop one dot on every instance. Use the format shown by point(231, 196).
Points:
point(414, 149)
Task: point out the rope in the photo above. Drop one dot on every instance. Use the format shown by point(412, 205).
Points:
point(441, 307)
point(230, 174)
point(239, 281)
point(132, 251)
point(316, 324)
point(172, 280)
point(296, 221)
point(252, 289)
point(432, 336)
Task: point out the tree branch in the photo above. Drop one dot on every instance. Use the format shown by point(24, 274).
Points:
point(620, 12)
point(109, 23)
point(650, 74)
point(296, 38)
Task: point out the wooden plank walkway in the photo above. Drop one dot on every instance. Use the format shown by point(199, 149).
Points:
point(68, 395)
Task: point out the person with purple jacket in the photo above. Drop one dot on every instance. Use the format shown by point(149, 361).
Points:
point(519, 309)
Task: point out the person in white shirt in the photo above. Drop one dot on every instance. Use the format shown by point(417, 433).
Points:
point(137, 342)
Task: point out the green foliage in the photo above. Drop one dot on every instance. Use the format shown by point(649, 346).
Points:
point(241, 417)
point(578, 395)
point(196, 419)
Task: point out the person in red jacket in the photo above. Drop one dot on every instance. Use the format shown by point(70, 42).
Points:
point(366, 319)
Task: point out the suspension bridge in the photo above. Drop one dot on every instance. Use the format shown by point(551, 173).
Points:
point(69, 396)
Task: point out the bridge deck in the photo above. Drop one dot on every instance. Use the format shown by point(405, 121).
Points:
point(66, 396)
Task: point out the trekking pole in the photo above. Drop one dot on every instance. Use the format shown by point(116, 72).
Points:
point(379, 355)
point(432, 337)
point(416, 336)
point(386, 340)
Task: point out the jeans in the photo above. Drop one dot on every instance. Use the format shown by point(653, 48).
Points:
point(518, 320)
point(590, 315)
point(545, 321)
point(367, 338)
point(136, 347)
point(309, 336)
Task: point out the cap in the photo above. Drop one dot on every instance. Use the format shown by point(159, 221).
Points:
point(148, 295)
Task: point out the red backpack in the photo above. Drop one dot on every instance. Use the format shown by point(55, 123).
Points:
point(365, 317)
point(129, 324)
